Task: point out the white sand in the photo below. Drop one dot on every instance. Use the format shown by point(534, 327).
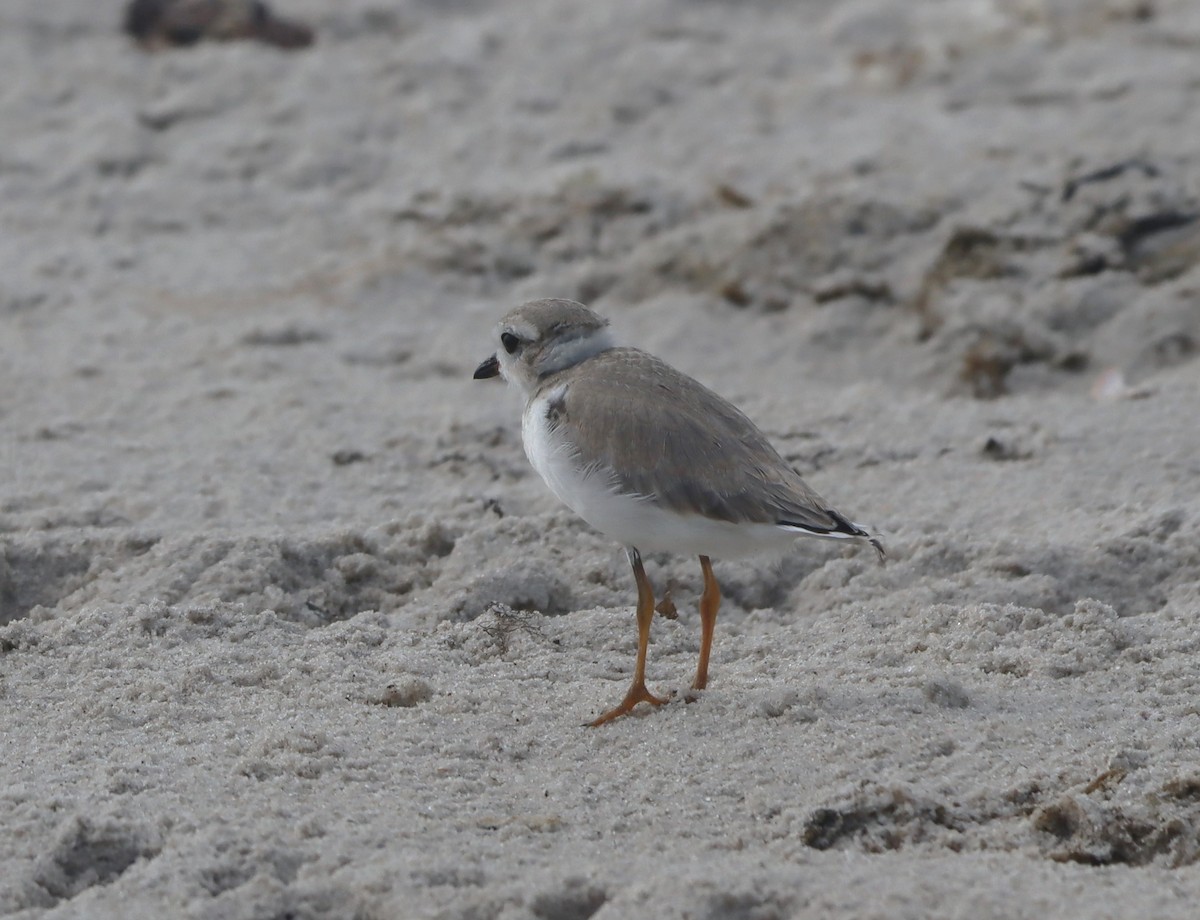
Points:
point(255, 517)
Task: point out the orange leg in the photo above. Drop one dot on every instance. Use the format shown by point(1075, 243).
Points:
point(710, 603)
point(645, 613)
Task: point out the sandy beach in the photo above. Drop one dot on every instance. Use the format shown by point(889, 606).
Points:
point(289, 627)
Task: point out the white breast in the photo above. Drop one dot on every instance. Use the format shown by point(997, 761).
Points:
point(591, 492)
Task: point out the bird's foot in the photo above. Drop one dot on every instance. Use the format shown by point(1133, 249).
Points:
point(637, 694)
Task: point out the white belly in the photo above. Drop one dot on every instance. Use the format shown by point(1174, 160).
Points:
point(630, 519)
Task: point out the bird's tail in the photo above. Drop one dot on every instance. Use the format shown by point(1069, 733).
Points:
point(842, 529)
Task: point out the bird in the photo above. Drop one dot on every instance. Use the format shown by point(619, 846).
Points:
point(651, 458)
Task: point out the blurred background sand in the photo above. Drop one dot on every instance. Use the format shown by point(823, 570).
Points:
point(288, 627)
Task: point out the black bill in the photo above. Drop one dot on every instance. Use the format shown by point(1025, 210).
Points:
point(489, 368)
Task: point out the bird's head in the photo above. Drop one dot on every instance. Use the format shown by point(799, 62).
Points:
point(543, 337)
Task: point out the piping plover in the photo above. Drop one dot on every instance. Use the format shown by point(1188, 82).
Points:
point(650, 457)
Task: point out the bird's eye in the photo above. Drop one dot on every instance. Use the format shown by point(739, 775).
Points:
point(509, 341)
